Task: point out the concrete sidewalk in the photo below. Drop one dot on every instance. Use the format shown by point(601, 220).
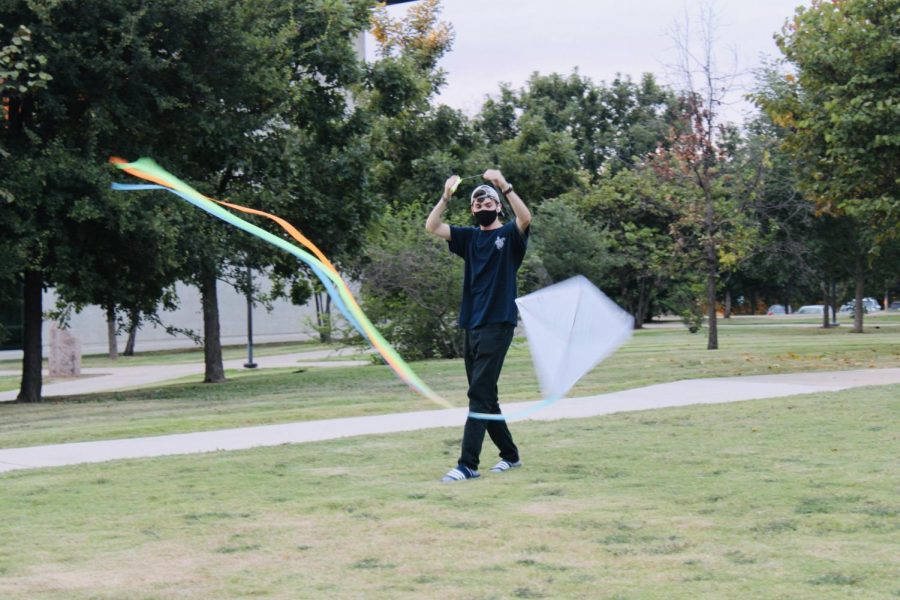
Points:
point(107, 379)
point(678, 393)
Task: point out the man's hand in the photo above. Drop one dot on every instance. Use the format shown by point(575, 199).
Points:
point(450, 186)
point(523, 215)
point(434, 224)
point(496, 177)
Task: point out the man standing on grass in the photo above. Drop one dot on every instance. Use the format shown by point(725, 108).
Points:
point(493, 252)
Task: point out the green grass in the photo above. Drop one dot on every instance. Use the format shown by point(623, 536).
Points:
point(183, 355)
point(785, 498)
point(9, 383)
point(278, 396)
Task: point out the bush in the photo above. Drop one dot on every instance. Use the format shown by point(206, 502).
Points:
point(412, 286)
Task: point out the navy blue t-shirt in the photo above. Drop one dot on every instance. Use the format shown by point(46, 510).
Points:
point(492, 259)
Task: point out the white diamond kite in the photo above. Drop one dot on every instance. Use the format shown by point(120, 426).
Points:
point(571, 327)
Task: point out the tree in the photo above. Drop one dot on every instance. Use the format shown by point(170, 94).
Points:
point(412, 286)
point(202, 86)
point(414, 145)
point(568, 244)
point(703, 160)
point(539, 160)
point(251, 72)
point(562, 132)
point(309, 163)
point(127, 262)
point(782, 265)
point(632, 207)
point(21, 75)
point(114, 90)
point(704, 168)
point(612, 124)
point(840, 106)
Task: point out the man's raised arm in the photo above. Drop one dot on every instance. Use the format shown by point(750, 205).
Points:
point(523, 215)
point(435, 224)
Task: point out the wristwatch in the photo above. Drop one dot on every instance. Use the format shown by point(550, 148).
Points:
point(508, 190)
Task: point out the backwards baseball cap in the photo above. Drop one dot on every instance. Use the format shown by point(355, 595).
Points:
point(482, 192)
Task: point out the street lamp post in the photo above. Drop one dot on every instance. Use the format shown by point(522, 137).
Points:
point(249, 364)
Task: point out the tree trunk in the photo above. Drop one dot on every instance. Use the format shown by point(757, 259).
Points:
point(753, 301)
point(132, 334)
point(834, 303)
point(859, 309)
point(727, 314)
point(323, 316)
point(30, 387)
point(328, 317)
point(212, 343)
point(111, 342)
point(713, 340)
point(712, 272)
point(643, 303)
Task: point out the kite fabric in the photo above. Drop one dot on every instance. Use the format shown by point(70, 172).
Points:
point(571, 326)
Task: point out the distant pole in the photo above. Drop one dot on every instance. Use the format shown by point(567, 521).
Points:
point(834, 303)
point(249, 364)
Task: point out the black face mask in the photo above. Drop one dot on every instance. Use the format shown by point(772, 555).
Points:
point(485, 217)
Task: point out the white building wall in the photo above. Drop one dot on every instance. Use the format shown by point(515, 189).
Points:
point(285, 322)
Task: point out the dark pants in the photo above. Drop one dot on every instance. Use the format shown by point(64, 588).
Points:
point(485, 349)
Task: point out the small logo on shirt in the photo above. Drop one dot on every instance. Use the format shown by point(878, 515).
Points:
point(500, 242)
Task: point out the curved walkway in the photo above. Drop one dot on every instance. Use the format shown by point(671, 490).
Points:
point(678, 393)
point(108, 379)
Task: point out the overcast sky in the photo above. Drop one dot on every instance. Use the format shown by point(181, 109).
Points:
point(507, 40)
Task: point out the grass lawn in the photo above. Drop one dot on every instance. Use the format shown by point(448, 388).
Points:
point(8, 383)
point(748, 346)
point(787, 498)
point(183, 355)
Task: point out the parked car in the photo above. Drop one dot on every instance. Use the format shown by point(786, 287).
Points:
point(869, 305)
point(812, 309)
point(895, 305)
point(776, 309)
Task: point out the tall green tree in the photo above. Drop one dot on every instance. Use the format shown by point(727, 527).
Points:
point(415, 144)
point(22, 73)
point(840, 105)
point(636, 214)
point(704, 170)
point(115, 89)
point(209, 88)
point(613, 124)
point(241, 70)
point(411, 286)
point(785, 263)
point(566, 243)
point(561, 132)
